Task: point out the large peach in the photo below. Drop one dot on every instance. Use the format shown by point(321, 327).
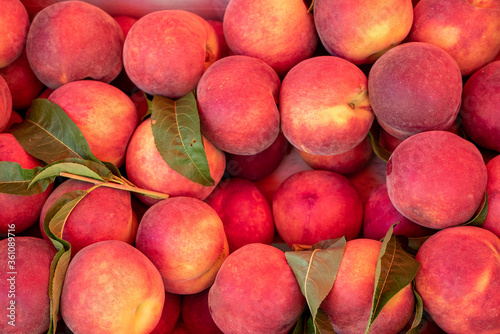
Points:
point(14, 25)
point(255, 292)
point(362, 31)
point(111, 287)
point(324, 106)
point(415, 87)
point(61, 48)
point(349, 302)
point(21, 211)
point(312, 206)
point(279, 32)
point(237, 99)
point(479, 113)
point(184, 237)
point(436, 179)
point(147, 169)
point(196, 315)
point(25, 288)
point(244, 211)
point(5, 104)
point(105, 115)
point(181, 45)
point(469, 30)
point(459, 279)
point(103, 214)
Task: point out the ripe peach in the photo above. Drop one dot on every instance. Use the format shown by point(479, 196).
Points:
point(492, 221)
point(196, 315)
point(14, 25)
point(170, 314)
point(370, 177)
point(5, 104)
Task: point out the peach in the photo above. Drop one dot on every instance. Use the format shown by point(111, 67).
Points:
point(279, 32)
point(181, 46)
point(370, 177)
point(237, 99)
point(459, 279)
point(146, 168)
point(349, 302)
point(257, 166)
point(415, 87)
point(103, 214)
point(170, 314)
point(125, 22)
point(493, 169)
point(196, 314)
point(15, 118)
point(111, 287)
point(469, 30)
point(312, 206)
point(23, 83)
point(105, 115)
point(5, 104)
point(347, 163)
point(324, 106)
point(25, 287)
point(244, 211)
point(21, 211)
point(492, 221)
point(255, 292)
point(380, 214)
point(219, 30)
point(61, 48)
point(479, 113)
point(362, 31)
point(184, 238)
point(436, 179)
point(14, 25)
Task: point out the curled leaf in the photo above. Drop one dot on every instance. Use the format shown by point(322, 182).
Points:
point(380, 152)
point(419, 311)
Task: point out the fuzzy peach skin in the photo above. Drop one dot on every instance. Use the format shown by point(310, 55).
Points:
point(111, 287)
point(181, 46)
point(5, 104)
point(257, 166)
point(170, 314)
point(324, 106)
point(459, 279)
point(237, 99)
point(146, 168)
point(469, 30)
point(73, 40)
point(196, 315)
point(312, 206)
point(14, 25)
point(103, 214)
point(106, 116)
point(479, 113)
point(380, 214)
point(349, 302)
point(347, 163)
point(244, 211)
point(255, 292)
point(370, 177)
point(23, 84)
point(27, 295)
point(362, 31)
point(492, 221)
point(22, 211)
point(184, 238)
point(415, 87)
point(279, 32)
point(436, 179)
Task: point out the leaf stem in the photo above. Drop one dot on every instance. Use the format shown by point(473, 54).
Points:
point(126, 187)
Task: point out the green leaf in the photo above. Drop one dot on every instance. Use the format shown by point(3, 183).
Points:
point(86, 168)
point(176, 130)
point(395, 270)
point(480, 216)
point(50, 135)
point(304, 324)
point(419, 311)
point(315, 271)
point(58, 269)
point(380, 152)
point(112, 168)
point(15, 180)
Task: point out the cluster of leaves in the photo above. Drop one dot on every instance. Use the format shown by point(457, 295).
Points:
point(51, 136)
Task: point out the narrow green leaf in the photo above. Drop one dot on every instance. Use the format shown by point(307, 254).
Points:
point(15, 180)
point(381, 152)
point(323, 323)
point(50, 135)
point(304, 324)
point(315, 271)
point(419, 311)
point(176, 130)
point(414, 244)
point(395, 270)
point(86, 168)
point(112, 168)
point(59, 266)
point(480, 216)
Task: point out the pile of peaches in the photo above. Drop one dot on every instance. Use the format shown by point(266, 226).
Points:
point(327, 166)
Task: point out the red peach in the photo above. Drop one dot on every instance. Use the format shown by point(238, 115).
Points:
point(5, 104)
point(369, 177)
point(14, 25)
point(196, 315)
point(170, 314)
